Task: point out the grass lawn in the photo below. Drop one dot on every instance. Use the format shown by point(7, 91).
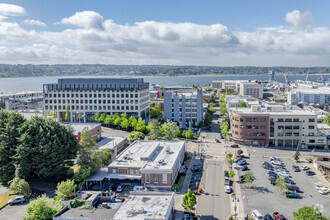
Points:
point(181, 180)
point(4, 197)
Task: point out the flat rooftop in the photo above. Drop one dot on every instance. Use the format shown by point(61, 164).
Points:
point(319, 90)
point(84, 214)
point(248, 111)
point(150, 155)
point(109, 143)
point(78, 127)
point(146, 205)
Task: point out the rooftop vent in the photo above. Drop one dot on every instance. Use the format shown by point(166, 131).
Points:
point(167, 149)
point(141, 210)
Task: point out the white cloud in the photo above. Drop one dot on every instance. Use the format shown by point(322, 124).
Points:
point(34, 22)
point(300, 20)
point(95, 40)
point(11, 10)
point(87, 19)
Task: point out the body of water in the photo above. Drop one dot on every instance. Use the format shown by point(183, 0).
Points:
point(8, 85)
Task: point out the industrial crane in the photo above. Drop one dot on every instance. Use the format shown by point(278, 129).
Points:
point(307, 76)
point(286, 78)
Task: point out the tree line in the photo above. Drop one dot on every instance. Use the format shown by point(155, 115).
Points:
point(30, 70)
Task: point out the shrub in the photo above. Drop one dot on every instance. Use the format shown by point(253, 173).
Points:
point(20, 186)
point(75, 203)
point(175, 187)
point(310, 160)
point(85, 207)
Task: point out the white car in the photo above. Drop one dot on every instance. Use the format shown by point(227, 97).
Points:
point(323, 191)
point(276, 162)
point(319, 186)
point(304, 167)
point(227, 189)
point(274, 158)
point(120, 188)
point(139, 189)
point(17, 199)
point(285, 174)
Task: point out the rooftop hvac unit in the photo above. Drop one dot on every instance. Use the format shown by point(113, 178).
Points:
point(167, 149)
point(141, 210)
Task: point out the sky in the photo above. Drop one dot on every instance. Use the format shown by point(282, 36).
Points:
point(172, 32)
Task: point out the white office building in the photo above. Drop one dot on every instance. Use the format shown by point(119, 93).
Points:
point(185, 108)
point(87, 96)
point(319, 95)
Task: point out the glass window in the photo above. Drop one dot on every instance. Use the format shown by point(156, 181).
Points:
point(164, 178)
point(296, 119)
point(248, 134)
point(147, 178)
point(281, 127)
point(311, 120)
point(296, 127)
point(263, 120)
point(288, 120)
point(255, 127)
point(280, 120)
point(320, 140)
point(248, 127)
point(280, 134)
point(248, 120)
point(241, 119)
point(311, 127)
point(255, 119)
point(263, 127)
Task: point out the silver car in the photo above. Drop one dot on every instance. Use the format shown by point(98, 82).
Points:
point(17, 199)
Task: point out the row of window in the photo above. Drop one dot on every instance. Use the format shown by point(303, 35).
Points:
point(92, 107)
point(122, 101)
point(250, 119)
point(164, 178)
point(263, 127)
point(255, 134)
point(294, 120)
point(92, 95)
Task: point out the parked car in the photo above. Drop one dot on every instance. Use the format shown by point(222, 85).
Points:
point(139, 188)
point(310, 173)
point(278, 216)
point(256, 215)
point(323, 191)
point(226, 173)
point(268, 217)
point(196, 168)
point(274, 158)
point(283, 173)
point(244, 168)
point(227, 181)
point(304, 167)
point(293, 195)
point(120, 188)
point(234, 145)
point(273, 182)
point(217, 140)
point(227, 189)
point(288, 180)
point(273, 174)
point(276, 162)
point(241, 162)
point(319, 186)
point(17, 199)
point(295, 168)
point(292, 188)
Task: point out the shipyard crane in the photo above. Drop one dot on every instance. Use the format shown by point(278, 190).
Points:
point(321, 77)
point(307, 76)
point(286, 78)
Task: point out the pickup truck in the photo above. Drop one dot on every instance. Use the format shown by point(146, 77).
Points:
point(278, 216)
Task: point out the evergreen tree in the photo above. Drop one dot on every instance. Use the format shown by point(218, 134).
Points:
point(67, 112)
point(10, 132)
point(87, 147)
point(46, 148)
point(154, 126)
point(54, 115)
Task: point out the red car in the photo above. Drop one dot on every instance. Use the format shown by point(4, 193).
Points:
point(278, 216)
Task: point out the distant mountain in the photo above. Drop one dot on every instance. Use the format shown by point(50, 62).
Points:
point(30, 70)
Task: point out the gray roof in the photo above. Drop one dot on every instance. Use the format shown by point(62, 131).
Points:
point(99, 175)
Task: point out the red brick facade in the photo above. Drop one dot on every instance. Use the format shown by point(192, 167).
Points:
point(250, 130)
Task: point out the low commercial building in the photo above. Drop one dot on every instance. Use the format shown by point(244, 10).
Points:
point(318, 95)
point(322, 161)
point(22, 101)
point(225, 84)
point(94, 129)
point(184, 108)
point(252, 88)
point(147, 205)
point(113, 144)
point(153, 164)
point(233, 100)
point(276, 125)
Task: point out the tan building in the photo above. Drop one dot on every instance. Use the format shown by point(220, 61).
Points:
point(252, 88)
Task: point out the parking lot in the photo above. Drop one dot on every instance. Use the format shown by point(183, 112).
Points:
point(16, 211)
point(265, 197)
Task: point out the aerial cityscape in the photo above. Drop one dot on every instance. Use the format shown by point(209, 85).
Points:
point(164, 110)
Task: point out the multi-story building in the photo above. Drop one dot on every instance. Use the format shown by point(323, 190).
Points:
point(233, 100)
point(153, 164)
point(184, 108)
point(87, 96)
point(225, 84)
point(22, 101)
point(276, 125)
point(252, 88)
point(320, 95)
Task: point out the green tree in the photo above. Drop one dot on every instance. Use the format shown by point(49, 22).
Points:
point(46, 148)
point(64, 189)
point(154, 112)
point(54, 115)
point(21, 187)
point(231, 173)
point(308, 213)
point(41, 209)
point(208, 118)
point(154, 133)
point(140, 125)
point(241, 104)
point(102, 118)
point(87, 146)
point(84, 172)
point(96, 117)
point(43, 111)
point(170, 130)
point(229, 155)
point(190, 134)
point(248, 177)
point(136, 135)
point(124, 123)
point(101, 158)
point(67, 112)
point(189, 201)
point(326, 120)
point(281, 184)
point(10, 132)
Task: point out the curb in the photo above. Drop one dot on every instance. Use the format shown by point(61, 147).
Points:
point(3, 206)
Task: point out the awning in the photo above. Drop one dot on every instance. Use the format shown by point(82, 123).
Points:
point(98, 175)
point(123, 176)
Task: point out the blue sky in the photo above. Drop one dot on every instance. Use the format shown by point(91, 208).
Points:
point(222, 33)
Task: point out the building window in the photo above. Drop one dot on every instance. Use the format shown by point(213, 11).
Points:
point(147, 178)
point(164, 178)
point(248, 120)
point(280, 134)
point(296, 120)
point(311, 120)
point(156, 180)
point(137, 172)
point(131, 171)
point(262, 119)
point(320, 141)
point(248, 127)
point(248, 134)
point(296, 127)
point(280, 120)
point(255, 119)
point(312, 141)
point(263, 127)
point(311, 127)
point(255, 127)
point(113, 171)
point(241, 119)
point(288, 120)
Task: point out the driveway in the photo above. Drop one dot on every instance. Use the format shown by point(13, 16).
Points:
point(13, 212)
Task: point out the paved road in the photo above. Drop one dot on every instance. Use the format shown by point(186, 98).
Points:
point(14, 212)
point(110, 132)
point(214, 203)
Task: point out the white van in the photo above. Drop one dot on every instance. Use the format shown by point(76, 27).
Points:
point(256, 215)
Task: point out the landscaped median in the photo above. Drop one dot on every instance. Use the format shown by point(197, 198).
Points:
point(4, 198)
